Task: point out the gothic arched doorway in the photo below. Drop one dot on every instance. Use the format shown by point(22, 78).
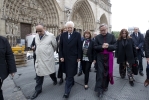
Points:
point(103, 19)
point(82, 16)
point(29, 12)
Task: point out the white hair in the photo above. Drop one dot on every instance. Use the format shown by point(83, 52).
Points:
point(136, 27)
point(69, 23)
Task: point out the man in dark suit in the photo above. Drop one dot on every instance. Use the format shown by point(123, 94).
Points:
point(70, 54)
point(7, 62)
point(138, 39)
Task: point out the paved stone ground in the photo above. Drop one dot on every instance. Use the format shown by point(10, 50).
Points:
point(121, 90)
point(11, 91)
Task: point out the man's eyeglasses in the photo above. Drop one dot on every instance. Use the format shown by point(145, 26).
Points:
point(102, 30)
point(38, 31)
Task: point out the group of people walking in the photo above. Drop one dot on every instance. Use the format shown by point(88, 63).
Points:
point(72, 49)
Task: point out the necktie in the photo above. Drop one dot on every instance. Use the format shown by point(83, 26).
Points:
point(69, 36)
point(136, 35)
point(40, 37)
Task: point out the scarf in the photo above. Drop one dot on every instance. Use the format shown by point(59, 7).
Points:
point(85, 47)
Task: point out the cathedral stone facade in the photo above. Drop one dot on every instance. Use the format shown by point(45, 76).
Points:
point(19, 17)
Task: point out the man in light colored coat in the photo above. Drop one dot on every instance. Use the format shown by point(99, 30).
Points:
point(45, 63)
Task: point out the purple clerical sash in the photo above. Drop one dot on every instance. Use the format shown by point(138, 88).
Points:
point(110, 65)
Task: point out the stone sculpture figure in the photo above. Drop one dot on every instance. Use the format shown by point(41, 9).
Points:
point(7, 28)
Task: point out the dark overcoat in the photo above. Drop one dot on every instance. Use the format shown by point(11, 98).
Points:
point(7, 62)
point(70, 50)
point(127, 50)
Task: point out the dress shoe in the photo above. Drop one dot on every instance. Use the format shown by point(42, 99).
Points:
point(106, 89)
point(100, 94)
point(86, 87)
point(122, 76)
point(61, 81)
point(80, 73)
point(66, 96)
point(54, 83)
point(131, 83)
point(35, 78)
point(146, 83)
point(141, 73)
point(35, 94)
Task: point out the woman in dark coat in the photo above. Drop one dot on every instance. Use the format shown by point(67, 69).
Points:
point(7, 62)
point(60, 69)
point(87, 56)
point(126, 54)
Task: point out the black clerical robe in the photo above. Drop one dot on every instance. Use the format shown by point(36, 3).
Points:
point(102, 75)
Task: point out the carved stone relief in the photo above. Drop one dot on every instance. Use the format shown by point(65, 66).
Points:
point(34, 29)
point(7, 28)
point(78, 21)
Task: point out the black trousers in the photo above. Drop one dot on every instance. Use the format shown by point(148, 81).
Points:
point(69, 84)
point(1, 92)
point(40, 79)
point(86, 65)
point(60, 70)
point(34, 57)
point(140, 67)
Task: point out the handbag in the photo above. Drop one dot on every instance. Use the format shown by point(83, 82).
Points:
point(135, 67)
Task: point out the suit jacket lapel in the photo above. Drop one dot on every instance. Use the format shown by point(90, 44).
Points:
point(72, 37)
point(66, 37)
point(137, 38)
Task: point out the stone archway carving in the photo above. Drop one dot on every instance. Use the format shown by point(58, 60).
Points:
point(83, 11)
point(103, 19)
point(31, 12)
point(78, 22)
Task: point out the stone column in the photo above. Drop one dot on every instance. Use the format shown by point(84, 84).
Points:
point(51, 30)
point(2, 28)
point(56, 29)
